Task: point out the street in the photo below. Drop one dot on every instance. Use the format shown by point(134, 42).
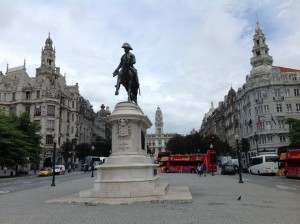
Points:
point(264, 199)
point(15, 184)
point(276, 182)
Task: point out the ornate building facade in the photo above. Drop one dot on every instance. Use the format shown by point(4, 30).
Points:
point(58, 108)
point(258, 109)
point(157, 142)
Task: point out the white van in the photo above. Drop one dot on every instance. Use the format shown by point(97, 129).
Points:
point(263, 164)
point(60, 169)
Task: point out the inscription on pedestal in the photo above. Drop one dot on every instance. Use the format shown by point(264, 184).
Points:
point(124, 145)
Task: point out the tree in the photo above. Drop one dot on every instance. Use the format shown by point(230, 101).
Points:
point(294, 133)
point(66, 149)
point(19, 143)
point(83, 150)
point(176, 145)
point(197, 144)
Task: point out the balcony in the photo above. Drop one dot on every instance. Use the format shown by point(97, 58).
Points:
point(278, 98)
point(260, 100)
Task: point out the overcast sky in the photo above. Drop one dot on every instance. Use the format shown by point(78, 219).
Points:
point(188, 52)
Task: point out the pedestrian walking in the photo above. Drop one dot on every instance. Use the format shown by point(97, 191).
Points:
point(199, 169)
point(5, 169)
point(204, 168)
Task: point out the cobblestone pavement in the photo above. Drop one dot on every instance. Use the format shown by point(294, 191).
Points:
point(214, 201)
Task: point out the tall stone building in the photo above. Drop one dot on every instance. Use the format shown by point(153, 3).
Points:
point(59, 108)
point(157, 142)
point(269, 95)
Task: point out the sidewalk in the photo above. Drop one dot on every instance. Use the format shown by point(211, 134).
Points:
point(214, 201)
point(9, 171)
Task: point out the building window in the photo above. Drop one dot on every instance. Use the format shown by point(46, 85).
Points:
point(266, 109)
point(269, 139)
point(50, 125)
point(13, 109)
point(27, 95)
point(13, 96)
point(72, 130)
point(49, 139)
point(72, 117)
point(27, 109)
point(268, 125)
point(281, 124)
point(4, 97)
point(289, 107)
point(287, 92)
point(298, 107)
point(37, 110)
point(277, 92)
point(50, 110)
point(279, 107)
point(38, 94)
point(282, 138)
point(73, 104)
point(296, 92)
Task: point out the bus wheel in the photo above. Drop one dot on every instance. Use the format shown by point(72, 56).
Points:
point(193, 171)
point(258, 172)
point(251, 172)
point(167, 171)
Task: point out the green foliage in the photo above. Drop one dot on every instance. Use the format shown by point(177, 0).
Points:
point(19, 143)
point(83, 150)
point(294, 133)
point(66, 149)
point(196, 143)
point(102, 147)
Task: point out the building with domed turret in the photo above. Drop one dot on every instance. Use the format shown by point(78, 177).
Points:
point(257, 111)
point(157, 142)
point(61, 111)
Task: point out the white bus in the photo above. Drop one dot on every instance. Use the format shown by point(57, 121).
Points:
point(263, 164)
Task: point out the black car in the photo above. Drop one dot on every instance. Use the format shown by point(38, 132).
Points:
point(228, 169)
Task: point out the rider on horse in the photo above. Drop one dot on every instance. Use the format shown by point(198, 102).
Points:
point(128, 75)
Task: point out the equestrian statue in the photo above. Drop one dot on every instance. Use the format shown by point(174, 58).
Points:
point(128, 75)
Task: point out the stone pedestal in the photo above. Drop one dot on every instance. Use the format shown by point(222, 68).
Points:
point(128, 171)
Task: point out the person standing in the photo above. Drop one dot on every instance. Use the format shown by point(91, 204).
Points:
point(5, 169)
point(204, 168)
point(199, 169)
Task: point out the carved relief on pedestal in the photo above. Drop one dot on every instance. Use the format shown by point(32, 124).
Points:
point(124, 134)
point(124, 129)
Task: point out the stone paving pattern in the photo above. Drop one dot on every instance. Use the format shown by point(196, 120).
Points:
point(214, 201)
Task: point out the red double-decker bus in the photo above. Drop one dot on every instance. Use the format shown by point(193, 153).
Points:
point(189, 163)
point(292, 163)
point(289, 162)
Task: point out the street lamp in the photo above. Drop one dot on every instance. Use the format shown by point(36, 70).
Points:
point(53, 162)
point(93, 161)
point(239, 157)
point(256, 139)
point(212, 160)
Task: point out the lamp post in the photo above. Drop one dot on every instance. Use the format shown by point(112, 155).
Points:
point(256, 139)
point(53, 162)
point(239, 158)
point(212, 161)
point(93, 161)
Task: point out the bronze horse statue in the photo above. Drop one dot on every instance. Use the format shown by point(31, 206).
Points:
point(128, 76)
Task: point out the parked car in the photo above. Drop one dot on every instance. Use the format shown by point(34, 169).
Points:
point(235, 164)
point(228, 169)
point(60, 169)
point(45, 171)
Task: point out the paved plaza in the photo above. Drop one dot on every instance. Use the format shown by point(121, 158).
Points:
point(214, 201)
